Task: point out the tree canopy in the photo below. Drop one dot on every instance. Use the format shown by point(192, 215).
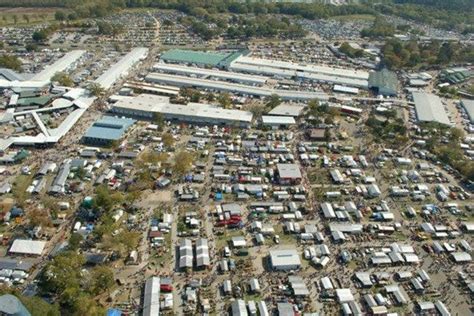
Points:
point(63, 79)
point(10, 62)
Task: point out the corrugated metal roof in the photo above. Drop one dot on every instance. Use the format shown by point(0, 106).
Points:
point(284, 258)
point(109, 128)
point(11, 305)
point(278, 120)
point(10, 75)
point(331, 71)
point(27, 247)
point(469, 107)
point(151, 298)
point(429, 108)
point(41, 100)
point(289, 171)
point(116, 71)
point(287, 110)
point(194, 57)
point(61, 64)
point(383, 80)
point(239, 77)
point(157, 104)
point(183, 81)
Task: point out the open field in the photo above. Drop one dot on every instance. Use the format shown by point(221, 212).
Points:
point(26, 16)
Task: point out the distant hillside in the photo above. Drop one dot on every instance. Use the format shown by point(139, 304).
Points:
point(34, 3)
point(452, 5)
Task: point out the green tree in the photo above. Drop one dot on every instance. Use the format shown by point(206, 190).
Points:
point(40, 36)
point(31, 47)
point(456, 134)
point(39, 217)
point(96, 89)
point(60, 16)
point(128, 239)
point(63, 79)
point(75, 241)
point(313, 107)
point(210, 97)
point(102, 279)
point(196, 96)
point(183, 161)
point(446, 53)
point(10, 61)
point(62, 276)
point(257, 109)
point(72, 16)
point(86, 305)
point(224, 100)
point(106, 199)
point(168, 140)
point(273, 101)
point(159, 119)
point(380, 28)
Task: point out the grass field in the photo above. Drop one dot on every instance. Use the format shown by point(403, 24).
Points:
point(26, 16)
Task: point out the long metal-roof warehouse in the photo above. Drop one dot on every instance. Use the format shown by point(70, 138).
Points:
point(121, 68)
point(210, 73)
point(307, 72)
point(306, 68)
point(468, 105)
point(42, 78)
point(145, 106)
point(151, 298)
point(213, 59)
point(61, 64)
point(429, 108)
point(182, 81)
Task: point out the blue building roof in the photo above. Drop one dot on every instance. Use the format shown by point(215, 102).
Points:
point(113, 312)
point(109, 128)
point(11, 305)
point(10, 75)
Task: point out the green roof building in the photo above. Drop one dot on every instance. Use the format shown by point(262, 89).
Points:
point(384, 82)
point(199, 58)
point(455, 75)
point(38, 101)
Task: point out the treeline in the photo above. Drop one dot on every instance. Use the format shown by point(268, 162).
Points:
point(264, 27)
point(460, 19)
point(240, 27)
point(457, 14)
point(380, 28)
point(350, 51)
point(93, 8)
point(452, 5)
point(397, 54)
point(34, 3)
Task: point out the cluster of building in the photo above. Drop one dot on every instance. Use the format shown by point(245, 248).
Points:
point(187, 259)
point(70, 102)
